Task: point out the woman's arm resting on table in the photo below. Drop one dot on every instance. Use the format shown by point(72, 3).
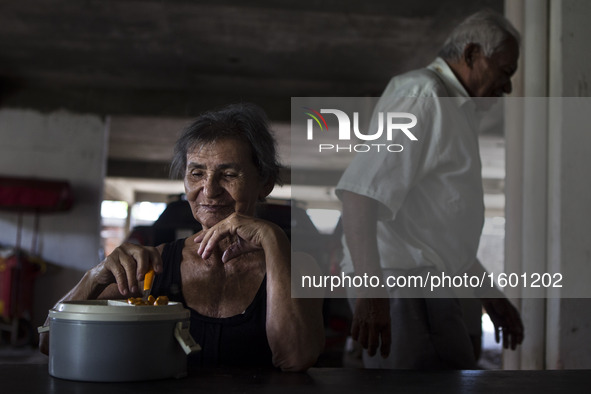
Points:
point(295, 327)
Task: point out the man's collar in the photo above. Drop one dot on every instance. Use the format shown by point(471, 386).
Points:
point(453, 85)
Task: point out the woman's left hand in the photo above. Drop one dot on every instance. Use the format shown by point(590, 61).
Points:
point(294, 326)
point(248, 233)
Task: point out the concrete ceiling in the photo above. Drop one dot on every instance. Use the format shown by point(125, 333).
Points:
point(160, 63)
point(178, 57)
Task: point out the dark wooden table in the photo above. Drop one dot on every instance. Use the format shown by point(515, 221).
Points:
point(34, 378)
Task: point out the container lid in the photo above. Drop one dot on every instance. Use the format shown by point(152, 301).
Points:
point(117, 310)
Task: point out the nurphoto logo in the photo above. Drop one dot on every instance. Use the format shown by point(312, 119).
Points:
point(392, 122)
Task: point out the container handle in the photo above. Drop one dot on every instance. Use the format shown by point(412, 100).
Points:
point(42, 329)
point(183, 336)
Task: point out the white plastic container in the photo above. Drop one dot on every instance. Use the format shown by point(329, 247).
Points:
point(112, 341)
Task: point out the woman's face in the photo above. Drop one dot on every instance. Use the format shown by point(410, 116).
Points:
point(221, 179)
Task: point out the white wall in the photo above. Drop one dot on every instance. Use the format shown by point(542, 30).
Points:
point(547, 191)
point(65, 146)
point(573, 32)
point(569, 320)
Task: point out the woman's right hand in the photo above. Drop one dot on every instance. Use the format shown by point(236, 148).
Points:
point(126, 266)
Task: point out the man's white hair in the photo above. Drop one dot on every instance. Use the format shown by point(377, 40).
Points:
point(486, 28)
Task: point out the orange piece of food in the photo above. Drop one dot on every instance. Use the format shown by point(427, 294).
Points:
point(161, 300)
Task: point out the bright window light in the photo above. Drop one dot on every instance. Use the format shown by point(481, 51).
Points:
point(325, 220)
point(114, 209)
point(146, 211)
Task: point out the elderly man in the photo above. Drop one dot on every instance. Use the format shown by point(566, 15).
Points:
point(421, 211)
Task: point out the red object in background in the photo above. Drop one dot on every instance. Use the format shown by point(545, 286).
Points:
point(32, 194)
point(17, 278)
point(19, 270)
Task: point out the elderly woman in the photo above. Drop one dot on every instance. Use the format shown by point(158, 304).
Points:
point(234, 275)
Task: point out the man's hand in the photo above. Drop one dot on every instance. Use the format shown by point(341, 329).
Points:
point(506, 319)
point(371, 318)
point(371, 325)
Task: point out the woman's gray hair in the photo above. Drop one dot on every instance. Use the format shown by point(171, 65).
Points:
point(246, 122)
point(486, 28)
